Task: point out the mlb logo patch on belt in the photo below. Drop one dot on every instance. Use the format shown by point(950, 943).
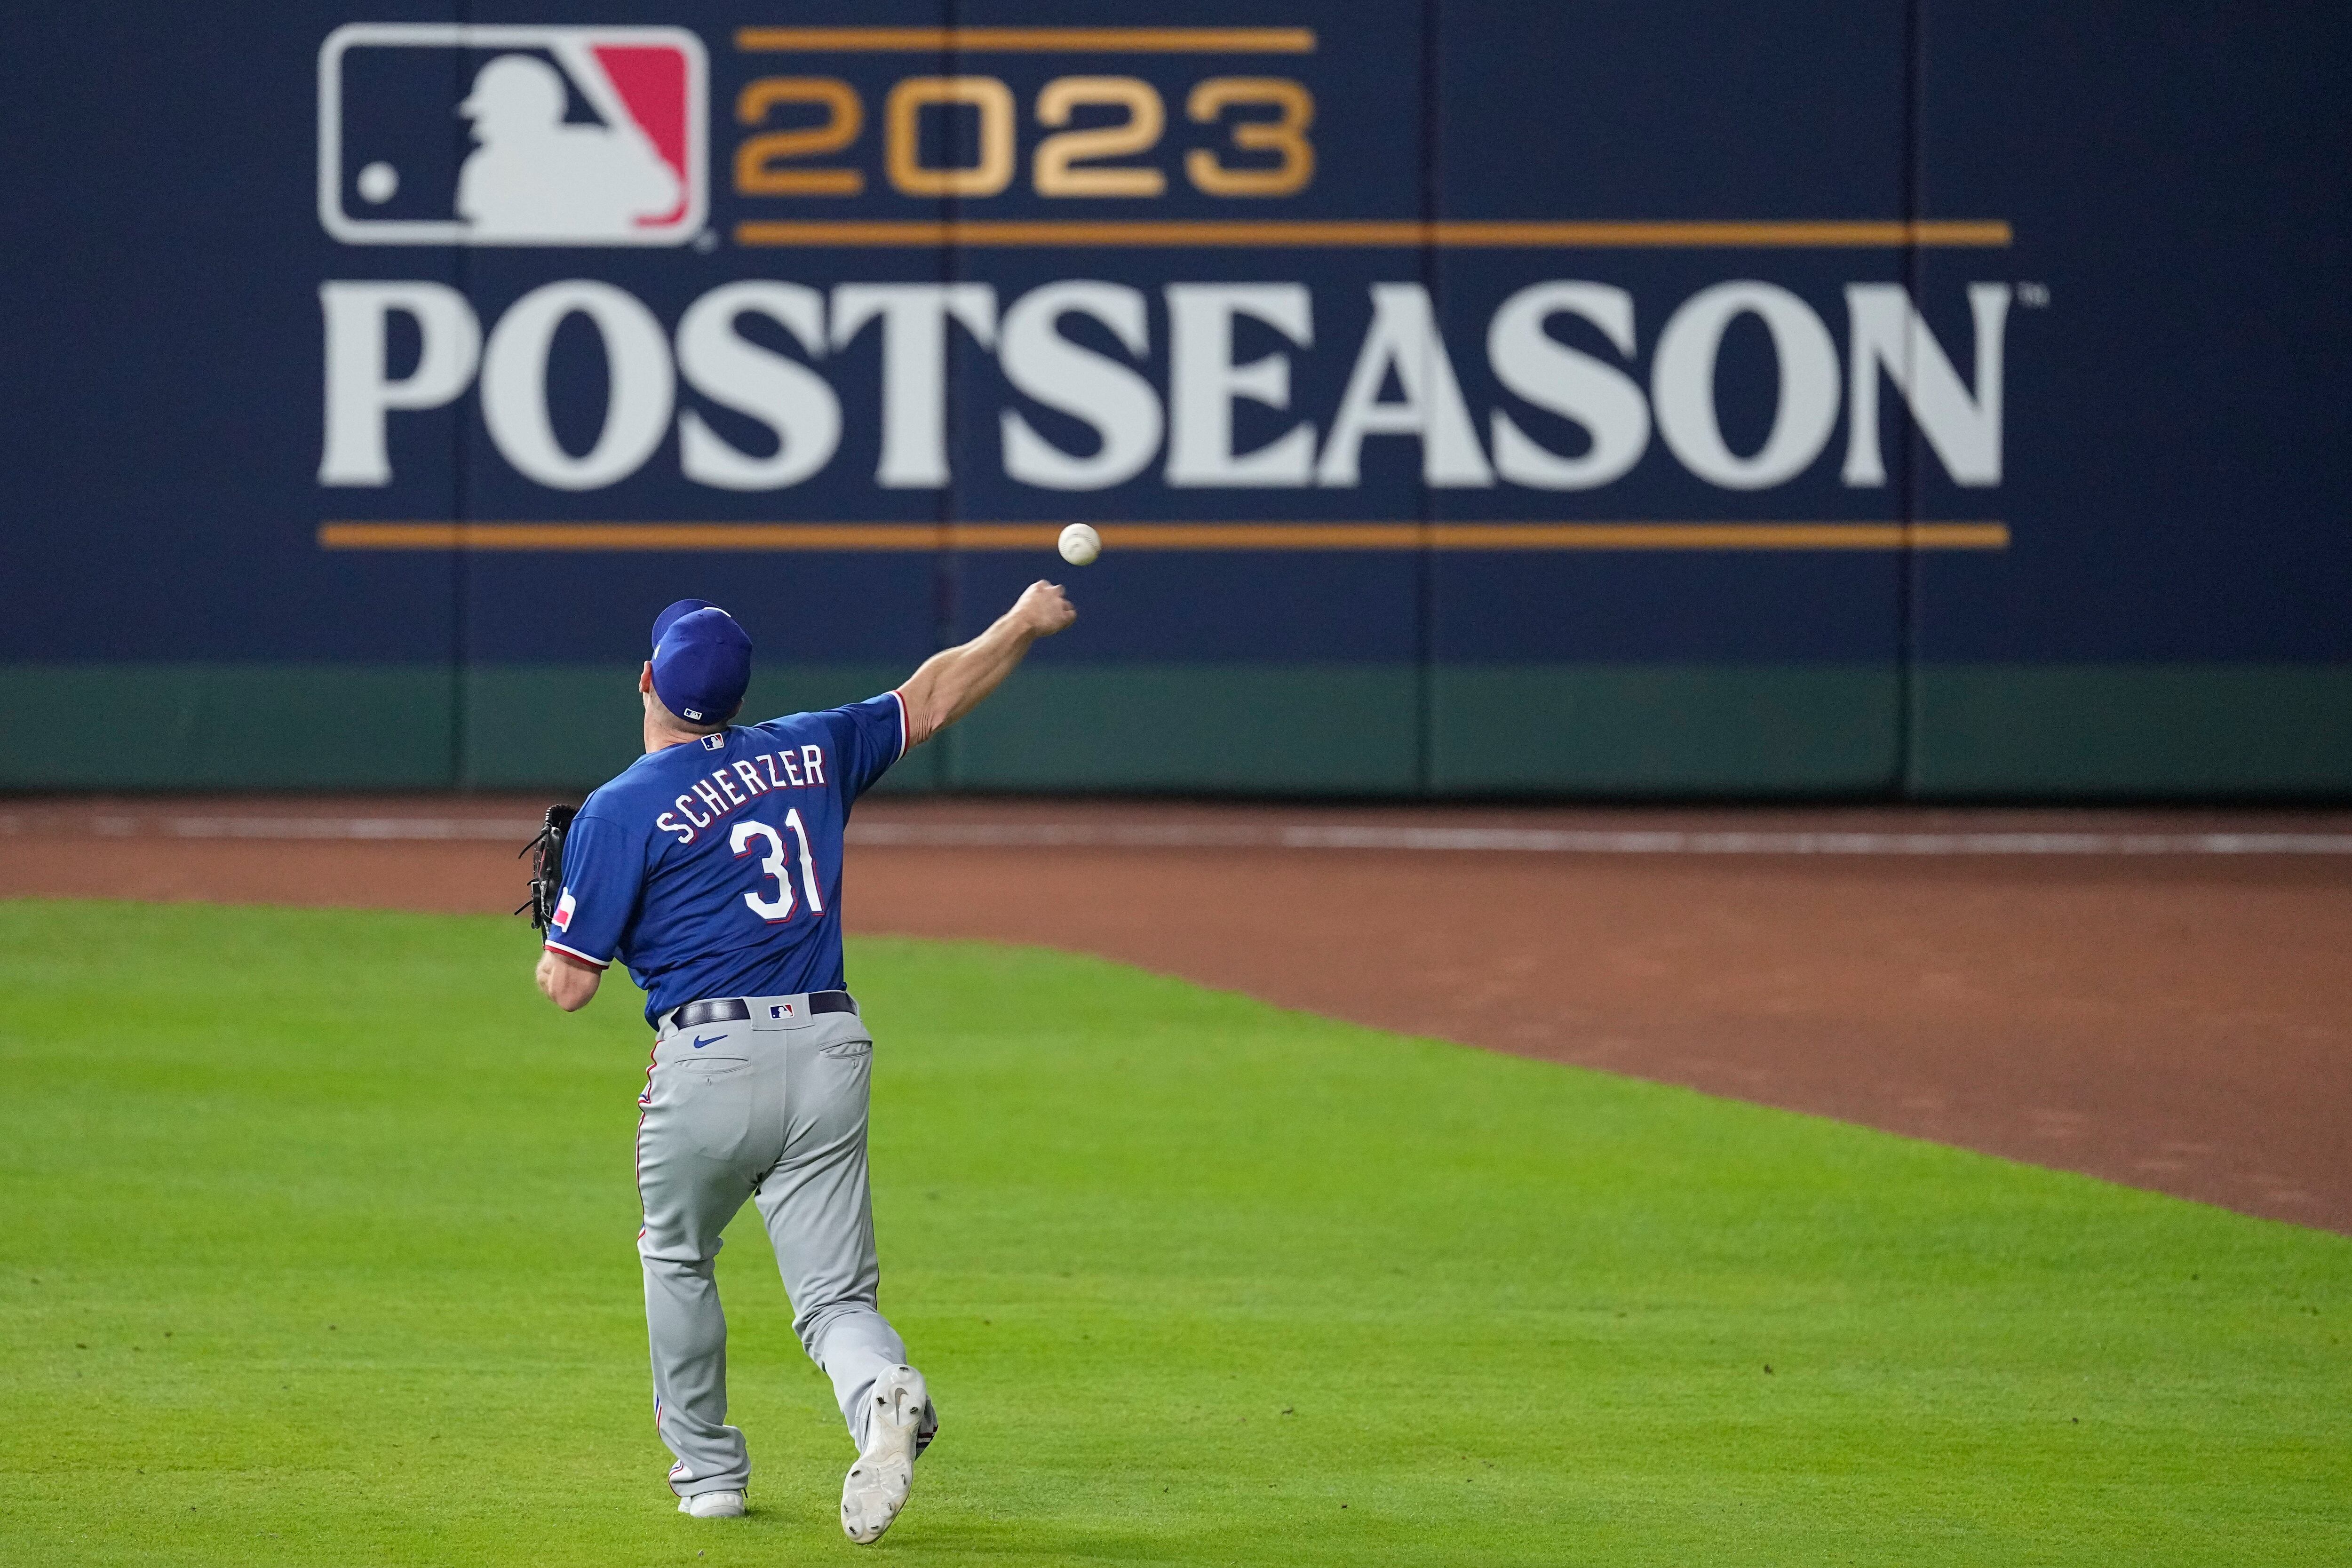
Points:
point(573, 135)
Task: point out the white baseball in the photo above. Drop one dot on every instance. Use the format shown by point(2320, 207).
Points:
point(1080, 544)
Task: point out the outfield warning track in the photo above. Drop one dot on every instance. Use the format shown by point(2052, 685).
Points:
point(2156, 996)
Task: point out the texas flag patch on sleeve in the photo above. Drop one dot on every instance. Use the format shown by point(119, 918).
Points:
point(564, 908)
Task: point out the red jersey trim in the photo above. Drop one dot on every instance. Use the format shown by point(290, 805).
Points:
point(575, 953)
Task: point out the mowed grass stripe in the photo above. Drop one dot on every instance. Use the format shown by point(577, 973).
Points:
point(342, 1215)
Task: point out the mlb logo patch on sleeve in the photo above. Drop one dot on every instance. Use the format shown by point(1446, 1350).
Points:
point(564, 908)
point(570, 135)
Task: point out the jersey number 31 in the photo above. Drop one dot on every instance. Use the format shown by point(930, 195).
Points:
point(779, 909)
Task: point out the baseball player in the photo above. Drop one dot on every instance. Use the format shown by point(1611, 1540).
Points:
point(711, 866)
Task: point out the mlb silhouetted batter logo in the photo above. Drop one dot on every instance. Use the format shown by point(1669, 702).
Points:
point(535, 179)
point(575, 135)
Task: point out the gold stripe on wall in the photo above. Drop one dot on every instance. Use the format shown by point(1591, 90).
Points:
point(863, 537)
point(1041, 40)
point(1378, 233)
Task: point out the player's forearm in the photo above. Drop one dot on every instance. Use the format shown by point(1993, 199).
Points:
point(568, 985)
point(954, 682)
point(951, 684)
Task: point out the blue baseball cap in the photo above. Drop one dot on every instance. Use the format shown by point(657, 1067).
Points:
point(702, 661)
point(669, 616)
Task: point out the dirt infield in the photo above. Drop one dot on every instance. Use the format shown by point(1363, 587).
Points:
point(2159, 998)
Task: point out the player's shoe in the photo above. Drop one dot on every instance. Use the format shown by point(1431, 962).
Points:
point(901, 1425)
point(712, 1505)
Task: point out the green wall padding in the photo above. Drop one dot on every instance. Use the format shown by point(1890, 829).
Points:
point(1561, 730)
point(2131, 730)
point(1670, 730)
point(226, 726)
point(1247, 729)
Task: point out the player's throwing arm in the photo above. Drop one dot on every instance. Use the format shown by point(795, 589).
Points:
point(711, 866)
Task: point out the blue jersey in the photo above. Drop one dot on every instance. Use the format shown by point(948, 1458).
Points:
point(713, 868)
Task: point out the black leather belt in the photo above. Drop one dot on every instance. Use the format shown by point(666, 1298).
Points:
point(734, 1009)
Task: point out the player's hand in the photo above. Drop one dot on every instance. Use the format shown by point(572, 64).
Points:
point(1044, 609)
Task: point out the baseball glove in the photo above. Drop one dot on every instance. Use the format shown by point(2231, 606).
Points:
point(546, 853)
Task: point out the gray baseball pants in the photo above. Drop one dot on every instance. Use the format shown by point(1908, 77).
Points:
point(772, 1109)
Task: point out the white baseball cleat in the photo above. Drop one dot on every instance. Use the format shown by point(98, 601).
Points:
point(899, 1427)
point(712, 1505)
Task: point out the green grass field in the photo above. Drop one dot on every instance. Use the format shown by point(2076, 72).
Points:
point(319, 1249)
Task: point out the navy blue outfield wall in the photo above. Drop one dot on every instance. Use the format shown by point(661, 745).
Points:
point(1477, 397)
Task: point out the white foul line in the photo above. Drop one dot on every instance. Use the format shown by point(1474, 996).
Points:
point(1258, 835)
point(351, 828)
point(1580, 841)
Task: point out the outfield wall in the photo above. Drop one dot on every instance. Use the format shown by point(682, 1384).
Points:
point(1676, 399)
